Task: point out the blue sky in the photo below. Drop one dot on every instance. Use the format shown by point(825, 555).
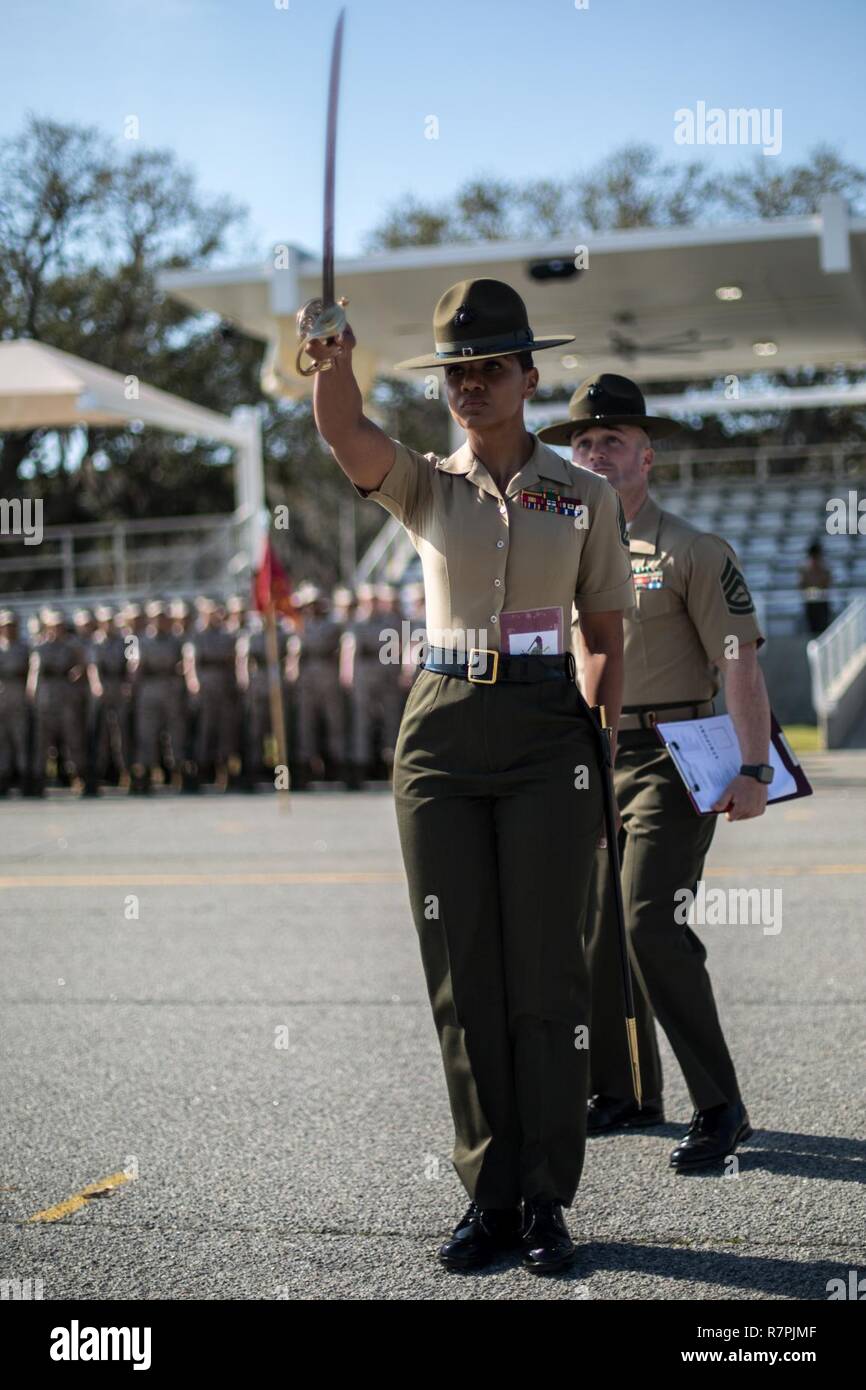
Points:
point(520, 88)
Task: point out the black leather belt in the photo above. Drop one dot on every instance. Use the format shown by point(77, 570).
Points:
point(486, 666)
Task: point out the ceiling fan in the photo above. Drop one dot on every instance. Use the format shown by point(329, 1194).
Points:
point(687, 343)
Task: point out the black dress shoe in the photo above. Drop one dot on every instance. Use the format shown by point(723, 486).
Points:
point(547, 1245)
point(712, 1135)
point(482, 1235)
point(609, 1112)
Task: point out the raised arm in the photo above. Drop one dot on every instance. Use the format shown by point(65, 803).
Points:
point(363, 451)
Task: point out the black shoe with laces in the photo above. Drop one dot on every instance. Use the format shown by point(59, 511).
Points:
point(606, 1113)
point(547, 1245)
point(481, 1235)
point(712, 1135)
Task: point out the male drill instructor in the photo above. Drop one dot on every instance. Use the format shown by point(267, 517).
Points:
point(692, 602)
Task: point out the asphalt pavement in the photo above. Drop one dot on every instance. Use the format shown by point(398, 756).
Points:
point(214, 1017)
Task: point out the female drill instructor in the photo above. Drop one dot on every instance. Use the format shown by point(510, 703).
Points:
point(496, 779)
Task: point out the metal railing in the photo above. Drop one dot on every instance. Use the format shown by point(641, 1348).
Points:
point(771, 463)
point(835, 651)
point(83, 563)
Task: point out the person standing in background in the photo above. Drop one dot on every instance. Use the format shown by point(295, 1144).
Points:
point(57, 666)
point(108, 675)
point(815, 581)
point(14, 663)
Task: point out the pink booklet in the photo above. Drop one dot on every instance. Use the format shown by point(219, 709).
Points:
point(533, 631)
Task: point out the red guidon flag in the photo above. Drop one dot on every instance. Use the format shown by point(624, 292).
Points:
point(271, 585)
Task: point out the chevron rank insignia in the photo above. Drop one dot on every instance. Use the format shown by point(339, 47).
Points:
point(735, 589)
point(550, 501)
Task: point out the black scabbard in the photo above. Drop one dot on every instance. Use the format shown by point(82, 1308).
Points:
point(610, 830)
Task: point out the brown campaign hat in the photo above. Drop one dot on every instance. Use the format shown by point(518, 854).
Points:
point(607, 400)
point(477, 319)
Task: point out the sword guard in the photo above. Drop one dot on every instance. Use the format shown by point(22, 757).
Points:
point(316, 319)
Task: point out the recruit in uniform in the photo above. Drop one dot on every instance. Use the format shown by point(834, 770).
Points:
point(694, 618)
point(57, 667)
point(14, 664)
point(157, 669)
point(108, 675)
point(497, 778)
point(317, 688)
point(373, 682)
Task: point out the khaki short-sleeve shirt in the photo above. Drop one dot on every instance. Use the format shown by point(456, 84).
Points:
point(554, 540)
point(691, 599)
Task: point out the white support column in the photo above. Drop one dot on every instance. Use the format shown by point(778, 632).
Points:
point(835, 242)
point(249, 479)
point(284, 291)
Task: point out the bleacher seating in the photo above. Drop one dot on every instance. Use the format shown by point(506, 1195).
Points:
point(771, 525)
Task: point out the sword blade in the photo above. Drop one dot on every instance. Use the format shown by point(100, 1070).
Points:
point(331, 163)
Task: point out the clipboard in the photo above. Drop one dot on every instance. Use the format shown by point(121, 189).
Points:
point(706, 754)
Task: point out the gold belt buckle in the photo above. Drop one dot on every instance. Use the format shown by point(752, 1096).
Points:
point(483, 680)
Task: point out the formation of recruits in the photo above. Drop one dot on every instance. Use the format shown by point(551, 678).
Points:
point(173, 694)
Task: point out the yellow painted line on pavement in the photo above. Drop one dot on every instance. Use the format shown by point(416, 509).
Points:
point(80, 1199)
point(135, 879)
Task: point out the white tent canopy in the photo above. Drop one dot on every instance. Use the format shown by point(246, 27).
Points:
point(44, 388)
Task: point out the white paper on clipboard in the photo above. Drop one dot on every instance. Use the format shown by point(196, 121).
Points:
point(707, 753)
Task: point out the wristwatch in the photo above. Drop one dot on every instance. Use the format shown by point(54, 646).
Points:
point(762, 772)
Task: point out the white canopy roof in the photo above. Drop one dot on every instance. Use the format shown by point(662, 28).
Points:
point(43, 387)
point(803, 283)
point(40, 386)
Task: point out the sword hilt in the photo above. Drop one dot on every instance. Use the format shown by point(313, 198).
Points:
point(316, 319)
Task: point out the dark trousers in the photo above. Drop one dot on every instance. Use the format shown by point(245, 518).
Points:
point(499, 844)
point(662, 846)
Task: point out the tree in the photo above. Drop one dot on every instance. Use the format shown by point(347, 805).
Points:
point(84, 234)
point(632, 187)
point(796, 191)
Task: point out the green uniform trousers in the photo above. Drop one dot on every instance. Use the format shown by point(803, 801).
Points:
point(499, 844)
point(662, 846)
